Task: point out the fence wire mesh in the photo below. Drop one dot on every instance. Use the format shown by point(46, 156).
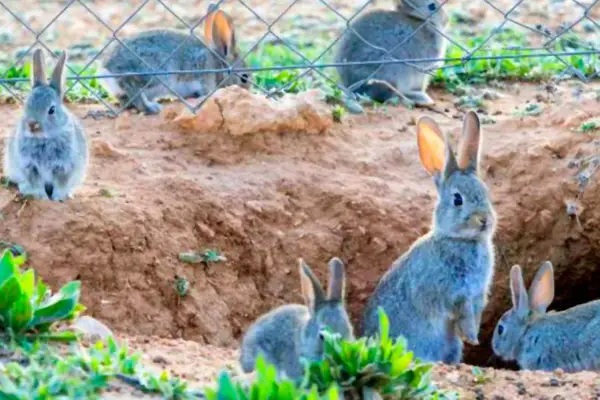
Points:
point(288, 46)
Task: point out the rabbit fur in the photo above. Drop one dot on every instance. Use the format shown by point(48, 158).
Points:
point(164, 49)
point(414, 30)
point(47, 157)
point(435, 293)
point(540, 340)
point(291, 332)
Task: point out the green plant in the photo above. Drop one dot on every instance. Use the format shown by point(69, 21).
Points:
point(266, 386)
point(207, 256)
point(531, 109)
point(479, 376)
point(76, 92)
point(589, 126)
point(368, 366)
point(28, 308)
point(182, 286)
point(338, 112)
point(80, 373)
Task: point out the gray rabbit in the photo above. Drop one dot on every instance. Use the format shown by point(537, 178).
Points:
point(435, 293)
point(540, 340)
point(169, 50)
point(412, 31)
point(48, 155)
point(291, 332)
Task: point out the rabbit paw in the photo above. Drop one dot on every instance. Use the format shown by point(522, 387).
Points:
point(61, 195)
point(468, 332)
point(419, 98)
point(152, 108)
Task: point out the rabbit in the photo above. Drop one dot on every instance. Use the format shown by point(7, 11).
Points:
point(414, 30)
point(47, 157)
point(292, 332)
point(435, 293)
point(540, 340)
point(170, 50)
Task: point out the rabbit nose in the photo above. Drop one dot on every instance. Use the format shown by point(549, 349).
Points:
point(34, 126)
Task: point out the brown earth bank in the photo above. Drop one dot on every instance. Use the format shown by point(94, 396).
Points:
point(357, 192)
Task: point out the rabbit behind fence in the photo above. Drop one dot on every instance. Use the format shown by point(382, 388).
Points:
point(291, 332)
point(168, 50)
point(414, 30)
point(435, 293)
point(540, 340)
point(47, 157)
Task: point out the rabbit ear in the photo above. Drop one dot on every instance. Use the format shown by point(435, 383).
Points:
point(431, 145)
point(517, 289)
point(337, 280)
point(311, 287)
point(39, 70)
point(470, 143)
point(57, 81)
point(223, 36)
point(541, 291)
point(208, 22)
point(434, 150)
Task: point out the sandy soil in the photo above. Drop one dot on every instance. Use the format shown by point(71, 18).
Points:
point(357, 192)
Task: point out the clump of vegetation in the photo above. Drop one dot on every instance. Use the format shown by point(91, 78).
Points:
point(368, 367)
point(182, 286)
point(80, 373)
point(510, 54)
point(208, 256)
point(531, 109)
point(479, 376)
point(27, 306)
point(589, 126)
point(90, 91)
point(338, 113)
point(266, 386)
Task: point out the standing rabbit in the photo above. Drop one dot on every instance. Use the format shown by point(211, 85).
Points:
point(540, 340)
point(291, 332)
point(413, 31)
point(435, 293)
point(48, 155)
point(173, 51)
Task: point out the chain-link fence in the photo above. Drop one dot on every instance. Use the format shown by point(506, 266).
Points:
point(287, 46)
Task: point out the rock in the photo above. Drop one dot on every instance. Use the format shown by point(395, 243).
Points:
point(237, 112)
point(92, 328)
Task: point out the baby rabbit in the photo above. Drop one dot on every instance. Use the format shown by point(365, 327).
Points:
point(174, 51)
point(538, 340)
point(435, 293)
point(48, 155)
point(412, 31)
point(291, 332)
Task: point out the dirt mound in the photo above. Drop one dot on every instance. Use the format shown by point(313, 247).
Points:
point(357, 192)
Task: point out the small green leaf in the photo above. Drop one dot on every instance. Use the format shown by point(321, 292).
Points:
point(20, 314)
point(10, 291)
point(27, 281)
point(54, 312)
point(8, 266)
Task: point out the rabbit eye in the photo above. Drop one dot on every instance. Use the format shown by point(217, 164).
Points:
point(431, 7)
point(244, 78)
point(458, 200)
point(500, 330)
point(51, 110)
